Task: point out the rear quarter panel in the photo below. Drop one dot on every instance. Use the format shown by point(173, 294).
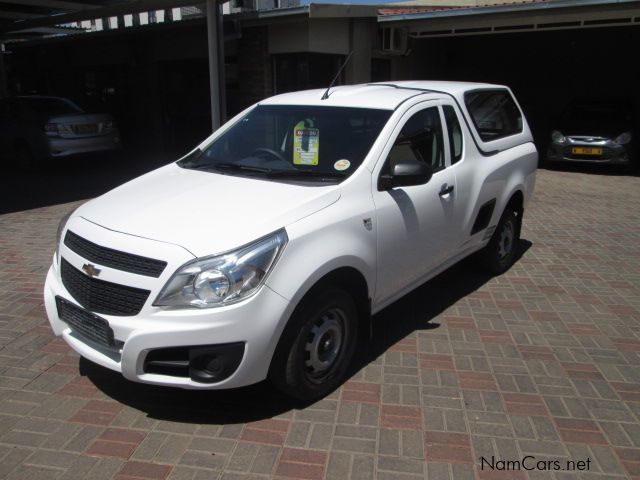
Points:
point(494, 170)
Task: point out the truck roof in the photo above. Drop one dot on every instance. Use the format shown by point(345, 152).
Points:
point(384, 95)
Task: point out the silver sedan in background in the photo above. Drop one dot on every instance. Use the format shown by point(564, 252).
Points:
point(596, 131)
point(36, 128)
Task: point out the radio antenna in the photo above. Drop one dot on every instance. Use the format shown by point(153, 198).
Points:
point(326, 93)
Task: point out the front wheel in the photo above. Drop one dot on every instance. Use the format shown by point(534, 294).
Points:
point(501, 251)
point(315, 350)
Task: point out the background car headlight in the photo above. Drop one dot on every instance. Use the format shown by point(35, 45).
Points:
point(623, 139)
point(225, 278)
point(558, 137)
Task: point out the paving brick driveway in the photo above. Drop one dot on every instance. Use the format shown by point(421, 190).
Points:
point(542, 364)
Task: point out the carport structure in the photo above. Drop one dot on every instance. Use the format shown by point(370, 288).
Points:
point(543, 49)
point(525, 15)
point(541, 363)
point(24, 19)
point(547, 51)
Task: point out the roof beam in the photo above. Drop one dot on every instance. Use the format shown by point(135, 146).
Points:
point(134, 6)
point(51, 4)
point(17, 15)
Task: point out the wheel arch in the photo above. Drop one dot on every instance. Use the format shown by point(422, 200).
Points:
point(347, 277)
point(355, 283)
point(516, 202)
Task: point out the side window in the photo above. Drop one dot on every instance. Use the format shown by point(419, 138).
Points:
point(421, 140)
point(455, 133)
point(494, 113)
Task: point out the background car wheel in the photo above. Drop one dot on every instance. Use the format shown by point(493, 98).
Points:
point(317, 345)
point(502, 250)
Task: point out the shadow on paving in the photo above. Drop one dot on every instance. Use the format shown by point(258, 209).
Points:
point(416, 310)
point(412, 312)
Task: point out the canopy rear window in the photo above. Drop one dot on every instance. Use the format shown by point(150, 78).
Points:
point(494, 114)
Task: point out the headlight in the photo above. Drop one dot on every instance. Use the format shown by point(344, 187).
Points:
point(52, 129)
point(623, 139)
point(61, 225)
point(558, 137)
point(223, 279)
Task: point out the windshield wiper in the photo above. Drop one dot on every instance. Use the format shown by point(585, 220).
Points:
point(305, 173)
point(202, 166)
point(269, 173)
point(240, 167)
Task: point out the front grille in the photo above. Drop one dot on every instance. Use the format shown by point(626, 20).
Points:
point(85, 324)
point(108, 257)
point(100, 296)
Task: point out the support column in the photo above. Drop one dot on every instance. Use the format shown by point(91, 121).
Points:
point(358, 70)
point(3, 74)
point(215, 41)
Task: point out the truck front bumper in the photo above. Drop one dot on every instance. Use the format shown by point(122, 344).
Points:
point(254, 323)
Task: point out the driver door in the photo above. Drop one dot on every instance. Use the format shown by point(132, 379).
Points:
point(414, 224)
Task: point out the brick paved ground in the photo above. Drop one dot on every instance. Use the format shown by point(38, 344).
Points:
point(542, 361)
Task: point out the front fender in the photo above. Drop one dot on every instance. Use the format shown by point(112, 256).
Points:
point(335, 237)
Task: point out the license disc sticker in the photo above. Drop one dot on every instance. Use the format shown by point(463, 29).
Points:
point(306, 143)
point(341, 165)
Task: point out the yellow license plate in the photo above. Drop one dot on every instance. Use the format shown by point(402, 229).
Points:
point(586, 151)
point(85, 128)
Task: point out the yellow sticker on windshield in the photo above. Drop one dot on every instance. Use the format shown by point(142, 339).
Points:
point(342, 164)
point(306, 143)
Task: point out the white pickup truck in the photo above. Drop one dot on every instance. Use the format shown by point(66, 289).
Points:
point(264, 251)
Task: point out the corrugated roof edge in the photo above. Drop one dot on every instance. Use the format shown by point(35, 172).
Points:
point(524, 5)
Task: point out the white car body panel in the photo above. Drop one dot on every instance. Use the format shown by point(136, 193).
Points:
point(408, 217)
point(191, 208)
point(394, 239)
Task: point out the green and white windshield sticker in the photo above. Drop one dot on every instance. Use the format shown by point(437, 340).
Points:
point(306, 143)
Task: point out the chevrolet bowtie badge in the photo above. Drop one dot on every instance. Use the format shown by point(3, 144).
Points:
point(91, 270)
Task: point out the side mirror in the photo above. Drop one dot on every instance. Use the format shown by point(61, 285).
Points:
point(405, 173)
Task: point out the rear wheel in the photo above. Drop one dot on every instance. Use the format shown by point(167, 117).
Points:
point(501, 251)
point(317, 345)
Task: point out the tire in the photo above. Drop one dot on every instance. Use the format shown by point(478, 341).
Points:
point(501, 251)
point(317, 345)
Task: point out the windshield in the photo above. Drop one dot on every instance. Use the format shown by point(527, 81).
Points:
point(51, 105)
point(301, 142)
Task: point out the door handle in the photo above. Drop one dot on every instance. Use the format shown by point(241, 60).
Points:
point(445, 190)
